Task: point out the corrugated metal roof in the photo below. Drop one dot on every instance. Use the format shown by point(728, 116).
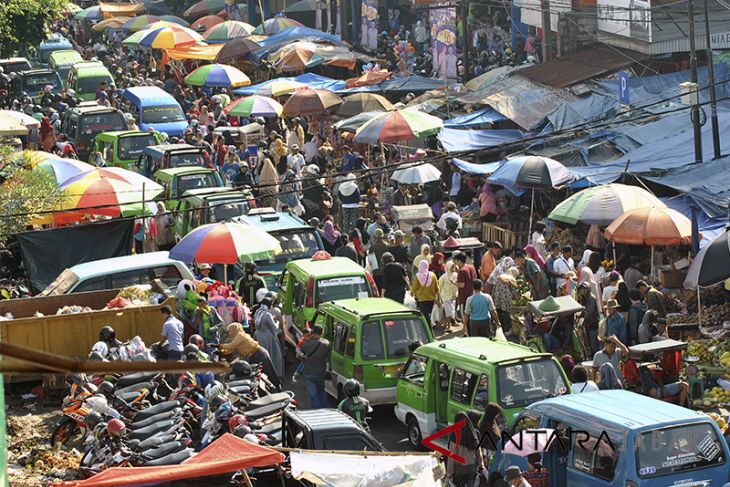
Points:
point(574, 68)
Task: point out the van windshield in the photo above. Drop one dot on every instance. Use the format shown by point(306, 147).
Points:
point(186, 159)
point(679, 449)
point(401, 332)
point(163, 114)
point(61, 284)
point(131, 147)
point(347, 287)
point(36, 82)
point(520, 384)
point(196, 181)
point(95, 123)
point(16, 66)
point(90, 84)
point(295, 244)
point(225, 210)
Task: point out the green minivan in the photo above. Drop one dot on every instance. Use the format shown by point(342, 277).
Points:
point(307, 283)
point(177, 180)
point(210, 205)
point(85, 78)
point(370, 339)
point(62, 61)
point(460, 374)
point(123, 148)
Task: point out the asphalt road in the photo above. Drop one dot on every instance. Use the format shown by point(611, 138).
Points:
point(383, 424)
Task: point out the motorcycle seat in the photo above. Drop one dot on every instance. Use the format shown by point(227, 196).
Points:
point(133, 388)
point(166, 416)
point(156, 409)
point(171, 459)
point(237, 383)
point(147, 432)
point(267, 410)
point(164, 450)
point(271, 399)
point(240, 390)
point(268, 429)
point(136, 378)
point(128, 396)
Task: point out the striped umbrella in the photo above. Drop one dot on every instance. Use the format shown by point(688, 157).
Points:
point(106, 191)
point(135, 24)
point(225, 31)
point(601, 205)
point(175, 20)
point(298, 59)
point(205, 23)
point(204, 7)
point(307, 102)
point(273, 26)
point(169, 37)
point(398, 125)
point(221, 75)
point(280, 87)
point(258, 106)
point(58, 168)
point(91, 13)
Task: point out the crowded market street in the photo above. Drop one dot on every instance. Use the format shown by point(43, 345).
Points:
point(365, 243)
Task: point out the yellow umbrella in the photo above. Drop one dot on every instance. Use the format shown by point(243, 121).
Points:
point(112, 23)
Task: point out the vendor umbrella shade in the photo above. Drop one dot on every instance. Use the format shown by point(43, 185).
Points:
point(112, 23)
point(651, 226)
point(204, 7)
point(398, 125)
point(135, 24)
point(538, 172)
point(416, 173)
point(298, 59)
point(711, 265)
point(225, 31)
point(58, 168)
point(254, 105)
point(363, 102)
point(205, 23)
point(280, 87)
point(302, 6)
point(601, 205)
point(91, 13)
point(273, 26)
point(22, 118)
point(355, 122)
point(236, 49)
point(168, 37)
point(217, 75)
point(175, 19)
point(307, 102)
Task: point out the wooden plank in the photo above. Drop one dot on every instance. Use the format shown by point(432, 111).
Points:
point(49, 305)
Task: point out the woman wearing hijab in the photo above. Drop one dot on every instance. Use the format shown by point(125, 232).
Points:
point(165, 225)
point(48, 135)
point(532, 253)
point(464, 474)
point(205, 118)
point(425, 289)
point(288, 194)
point(568, 364)
point(491, 425)
point(278, 149)
point(331, 237)
point(584, 260)
point(267, 333)
point(268, 183)
point(608, 378)
point(588, 271)
point(249, 350)
point(424, 255)
point(437, 265)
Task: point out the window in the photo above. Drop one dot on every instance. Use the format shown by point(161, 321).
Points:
point(299, 294)
point(162, 114)
point(340, 341)
point(351, 340)
point(526, 382)
point(89, 84)
point(595, 456)
point(372, 341)
point(93, 284)
point(415, 369)
point(196, 181)
point(347, 443)
point(185, 159)
point(295, 244)
point(223, 210)
point(335, 288)
point(132, 147)
point(481, 399)
point(169, 275)
point(130, 278)
point(462, 386)
point(401, 332)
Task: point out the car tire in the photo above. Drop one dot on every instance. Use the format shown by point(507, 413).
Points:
point(414, 433)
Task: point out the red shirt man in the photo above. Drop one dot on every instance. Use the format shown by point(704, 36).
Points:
point(465, 278)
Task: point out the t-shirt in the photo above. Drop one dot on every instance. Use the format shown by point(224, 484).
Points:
point(588, 386)
point(479, 307)
point(317, 352)
point(601, 357)
point(466, 275)
point(173, 331)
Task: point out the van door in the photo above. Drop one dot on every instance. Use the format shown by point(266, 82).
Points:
point(439, 390)
point(299, 296)
point(461, 390)
point(413, 393)
point(337, 355)
point(591, 462)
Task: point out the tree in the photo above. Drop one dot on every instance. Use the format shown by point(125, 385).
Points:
point(25, 195)
point(23, 23)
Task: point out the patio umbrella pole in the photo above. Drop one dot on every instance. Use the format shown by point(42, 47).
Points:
point(651, 276)
point(532, 208)
point(699, 307)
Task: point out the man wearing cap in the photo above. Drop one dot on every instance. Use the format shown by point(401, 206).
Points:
point(563, 266)
point(514, 477)
point(451, 214)
point(249, 284)
point(295, 160)
point(489, 262)
point(204, 272)
point(615, 324)
point(349, 194)
point(653, 298)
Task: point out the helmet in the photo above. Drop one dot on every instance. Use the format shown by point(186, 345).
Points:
point(197, 340)
point(242, 369)
point(92, 419)
point(107, 334)
point(237, 421)
point(213, 390)
point(47, 88)
point(70, 92)
point(185, 381)
point(241, 431)
point(217, 402)
point(314, 222)
point(190, 348)
point(224, 412)
point(351, 388)
point(116, 427)
point(106, 388)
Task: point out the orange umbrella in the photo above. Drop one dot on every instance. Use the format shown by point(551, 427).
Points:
point(306, 102)
point(298, 59)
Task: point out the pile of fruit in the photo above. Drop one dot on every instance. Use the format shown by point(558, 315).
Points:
point(717, 396)
point(566, 237)
point(523, 292)
point(709, 297)
point(713, 315)
point(700, 349)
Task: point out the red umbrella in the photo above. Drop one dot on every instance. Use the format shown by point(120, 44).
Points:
point(205, 23)
point(306, 101)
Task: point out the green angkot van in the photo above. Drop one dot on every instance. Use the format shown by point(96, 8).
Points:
point(370, 340)
point(62, 62)
point(178, 180)
point(460, 374)
point(210, 205)
point(307, 283)
point(122, 148)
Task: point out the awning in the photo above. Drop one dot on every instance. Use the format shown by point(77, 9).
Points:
point(109, 10)
point(227, 454)
point(580, 66)
point(455, 140)
point(314, 81)
point(473, 168)
point(480, 117)
point(203, 53)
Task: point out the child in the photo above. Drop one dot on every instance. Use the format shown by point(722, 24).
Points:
point(300, 368)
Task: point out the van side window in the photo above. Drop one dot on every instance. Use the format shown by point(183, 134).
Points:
point(415, 369)
point(169, 274)
point(130, 278)
point(340, 338)
point(299, 294)
point(597, 460)
point(372, 341)
point(351, 340)
point(481, 398)
point(94, 284)
point(462, 385)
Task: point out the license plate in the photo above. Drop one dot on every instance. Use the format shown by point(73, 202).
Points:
point(391, 370)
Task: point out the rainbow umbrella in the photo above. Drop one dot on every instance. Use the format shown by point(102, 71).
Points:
point(221, 75)
point(258, 106)
point(273, 26)
point(58, 168)
point(91, 13)
point(205, 23)
point(225, 243)
point(280, 87)
point(398, 125)
point(135, 24)
point(106, 191)
point(225, 31)
point(169, 37)
point(204, 7)
point(175, 20)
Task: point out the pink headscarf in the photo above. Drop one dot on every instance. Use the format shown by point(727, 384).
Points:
point(532, 252)
point(423, 274)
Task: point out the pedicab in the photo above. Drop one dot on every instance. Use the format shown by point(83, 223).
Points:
point(658, 364)
point(554, 319)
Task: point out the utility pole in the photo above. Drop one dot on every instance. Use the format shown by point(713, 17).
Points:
point(546, 31)
point(711, 81)
point(696, 97)
point(465, 40)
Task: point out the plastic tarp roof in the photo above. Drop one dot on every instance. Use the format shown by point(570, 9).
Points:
point(314, 81)
point(455, 140)
point(288, 36)
point(479, 117)
point(205, 53)
point(474, 168)
point(710, 228)
point(409, 83)
point(227, 454)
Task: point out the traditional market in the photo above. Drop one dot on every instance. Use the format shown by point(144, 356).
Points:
point(377, 243)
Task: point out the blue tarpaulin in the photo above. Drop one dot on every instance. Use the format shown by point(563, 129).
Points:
point(411, 83)
point(474, 168)
point(312, 80)
point(455, 140)
point(480, 117)
point(287, 36)
point(710, 228)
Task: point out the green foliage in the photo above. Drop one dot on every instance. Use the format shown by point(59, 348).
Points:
point(23, 23)
point(25, 195)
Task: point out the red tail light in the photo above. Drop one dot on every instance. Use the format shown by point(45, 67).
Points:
point(310, 292)
point(374, 286)
point(358, 372)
